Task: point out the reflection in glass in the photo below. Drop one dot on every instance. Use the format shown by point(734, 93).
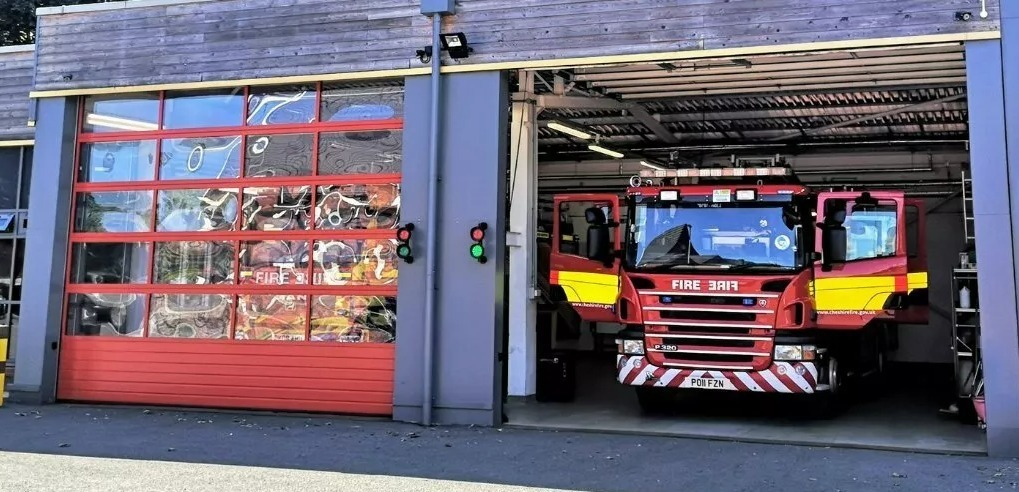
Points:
point(353, 319)
point(197, 210)
point(103, 162)
point(355, 262)
point(194, 263)
point(113, 211)
point(190, 316)
point(19, 275)
point(345, 103)
point(121, 113)
point(6, 277)
point(278, 155)
point(271, 317)
point(200, 158)
point(10, 168)
point(367, 152)
point(203, 109)
point(274, 262)
point(282, 208)
point(105, 314)
point(110, 263)
point(281, 105)
point(26, 177)
point(357, 207)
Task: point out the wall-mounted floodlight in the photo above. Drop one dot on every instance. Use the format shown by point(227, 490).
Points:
point(602, 150)
point(569, 130)
point(456, 44)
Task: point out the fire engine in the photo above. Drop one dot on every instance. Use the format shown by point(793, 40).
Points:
point(741, 278)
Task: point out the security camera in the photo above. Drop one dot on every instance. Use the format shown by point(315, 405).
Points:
point(425, 55)
point(963, 16)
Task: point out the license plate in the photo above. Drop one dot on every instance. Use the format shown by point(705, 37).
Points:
point(708, 383)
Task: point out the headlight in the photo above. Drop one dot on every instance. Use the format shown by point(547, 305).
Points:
point(630, 347)
point(795, 352)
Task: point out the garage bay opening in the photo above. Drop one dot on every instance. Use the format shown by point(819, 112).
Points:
point(768, 248)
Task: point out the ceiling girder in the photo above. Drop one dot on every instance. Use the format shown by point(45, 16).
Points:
point(869, 117)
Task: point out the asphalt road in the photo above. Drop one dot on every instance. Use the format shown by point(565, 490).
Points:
point(128, 448)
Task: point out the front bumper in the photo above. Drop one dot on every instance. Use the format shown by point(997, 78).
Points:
point(781, 377)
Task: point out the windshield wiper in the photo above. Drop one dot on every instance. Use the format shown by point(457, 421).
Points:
point(749, 265)
point(677, 263)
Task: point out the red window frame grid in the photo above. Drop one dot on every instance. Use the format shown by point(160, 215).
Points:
point(236, 237)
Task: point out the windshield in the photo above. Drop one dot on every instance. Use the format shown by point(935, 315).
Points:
point(677, 235)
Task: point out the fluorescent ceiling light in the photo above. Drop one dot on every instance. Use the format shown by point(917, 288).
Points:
point(603, 150)
point(569, 130)
point(119, 123)
point(656, 167)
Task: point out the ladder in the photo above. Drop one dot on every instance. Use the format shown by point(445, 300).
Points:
point(967, 209)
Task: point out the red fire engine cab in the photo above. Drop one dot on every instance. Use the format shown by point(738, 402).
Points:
point(742, 279)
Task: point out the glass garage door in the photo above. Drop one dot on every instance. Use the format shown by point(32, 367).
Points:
point(236, 248)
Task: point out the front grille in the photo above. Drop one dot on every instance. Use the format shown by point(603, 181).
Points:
point(705, 358)
point(708, 300)
point(709, 316)
point(704, 337)
point(715, 343)
point(703, 330)
point(709, 331)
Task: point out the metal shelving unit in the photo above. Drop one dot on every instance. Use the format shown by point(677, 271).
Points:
point(966, 319)
point(966, 334)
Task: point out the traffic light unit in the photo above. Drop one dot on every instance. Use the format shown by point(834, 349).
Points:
point(403, 249)
point(478, 248)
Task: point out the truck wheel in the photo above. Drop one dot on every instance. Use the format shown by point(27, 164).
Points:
point(653, 400)
point(828, 404)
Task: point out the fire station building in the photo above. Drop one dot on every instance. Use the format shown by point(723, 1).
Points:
point(346, 207)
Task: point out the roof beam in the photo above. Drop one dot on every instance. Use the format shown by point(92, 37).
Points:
point(652, 124)
point(790, 112)
point(574, 102)
point(925, 83)
point(869, 117)
point(599, 78)
point(604, 103)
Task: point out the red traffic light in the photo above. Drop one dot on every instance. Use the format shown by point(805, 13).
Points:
point(403, 233)
point(478, 232)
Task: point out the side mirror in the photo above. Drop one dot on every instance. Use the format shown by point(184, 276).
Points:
point(864, 202)
point(835, 212)
point(833, 246)
point(595, 216)
point(599, 246)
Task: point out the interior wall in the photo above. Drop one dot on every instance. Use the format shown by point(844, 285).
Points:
point(932, 343)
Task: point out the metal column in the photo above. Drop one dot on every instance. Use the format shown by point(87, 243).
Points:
point(35, 377)
point(996, 213)
point(521, 240)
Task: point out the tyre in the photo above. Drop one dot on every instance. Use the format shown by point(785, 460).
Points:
point(830, 403)
point(654, 400)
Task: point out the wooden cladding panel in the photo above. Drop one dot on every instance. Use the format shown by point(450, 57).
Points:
point(15, 84)
point(244, 39)
point(354, 378)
